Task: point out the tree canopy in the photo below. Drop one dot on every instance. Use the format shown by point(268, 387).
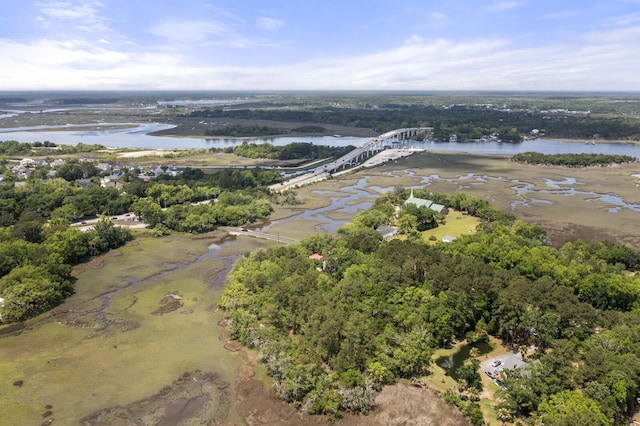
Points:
point(333, 331)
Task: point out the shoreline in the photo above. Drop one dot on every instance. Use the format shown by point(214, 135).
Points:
point(597, 142)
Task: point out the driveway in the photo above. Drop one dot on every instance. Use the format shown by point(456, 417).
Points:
point(510, 360)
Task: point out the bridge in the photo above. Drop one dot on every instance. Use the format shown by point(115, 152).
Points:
point(392, 139)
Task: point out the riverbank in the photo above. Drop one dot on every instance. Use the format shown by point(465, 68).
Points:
point(596, 141)
point(196, 127)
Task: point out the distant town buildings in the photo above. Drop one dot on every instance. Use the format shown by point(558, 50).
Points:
point(111, 175)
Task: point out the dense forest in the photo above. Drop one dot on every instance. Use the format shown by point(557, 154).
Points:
point(36, 259)
point(334, 331)
point(467, 122)
point(572, 160)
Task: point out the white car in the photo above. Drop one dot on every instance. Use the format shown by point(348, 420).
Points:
point(496, 363)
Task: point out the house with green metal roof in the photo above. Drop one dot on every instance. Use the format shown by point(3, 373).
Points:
point(421, 202)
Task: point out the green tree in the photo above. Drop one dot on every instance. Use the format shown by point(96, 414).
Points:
point(150, 212)
point(29, 226)
point(571, 408)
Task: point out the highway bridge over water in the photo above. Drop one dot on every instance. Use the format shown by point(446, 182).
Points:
point(392, 139)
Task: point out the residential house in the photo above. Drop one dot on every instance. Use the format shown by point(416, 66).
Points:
point(27, 162)
point(83, 183)
point(421, 202)
point(22, 171)
point(387, 231)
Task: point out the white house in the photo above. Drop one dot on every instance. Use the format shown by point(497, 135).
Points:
point(27, 162)
point(387, 231)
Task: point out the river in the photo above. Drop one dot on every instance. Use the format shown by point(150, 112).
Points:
point(138, 136)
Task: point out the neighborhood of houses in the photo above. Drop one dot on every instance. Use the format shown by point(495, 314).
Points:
point(110, 175)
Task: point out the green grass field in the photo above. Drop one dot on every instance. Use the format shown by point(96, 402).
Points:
point(457, 225)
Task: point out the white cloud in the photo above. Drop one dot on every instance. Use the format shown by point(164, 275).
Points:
point(269, 24)
point(500, 6)
point(206, 33)
point(598, 60)
point(87, 10)
point(437, 16)
point(561, 15)
point(624, 20)
point(45, 64)
point(414, 39)
point(190, 30)
point(86, 13)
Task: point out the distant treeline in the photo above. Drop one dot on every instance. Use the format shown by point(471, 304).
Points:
point(467, 122)
point(572, 160)
point(292, 151)
point(239, 131)
point(86, 101)
point(309, 129)
point(44, 148)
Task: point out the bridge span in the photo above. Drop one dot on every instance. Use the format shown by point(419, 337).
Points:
point(392, 139)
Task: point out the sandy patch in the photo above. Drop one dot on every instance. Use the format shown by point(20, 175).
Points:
point(147, 153)
point(96, 263)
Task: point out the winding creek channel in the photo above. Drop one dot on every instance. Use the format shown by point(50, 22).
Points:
point(360, 196)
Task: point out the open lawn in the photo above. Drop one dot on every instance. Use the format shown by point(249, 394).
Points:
point(457, 224)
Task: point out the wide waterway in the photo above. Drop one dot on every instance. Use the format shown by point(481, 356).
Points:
point(138, 137)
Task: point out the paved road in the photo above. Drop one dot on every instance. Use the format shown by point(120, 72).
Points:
point(324, 171)
point(128, 220)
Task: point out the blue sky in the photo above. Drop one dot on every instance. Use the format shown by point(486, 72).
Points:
point(313, 44)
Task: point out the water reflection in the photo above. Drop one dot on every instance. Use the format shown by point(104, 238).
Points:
point(556, 184)
point(450, 363)
point(138, 137)
point(563, 188)
point(354, 198)
point(349, 199)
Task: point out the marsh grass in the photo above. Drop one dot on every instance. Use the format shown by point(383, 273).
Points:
point(296, 228)
point(81, 370)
